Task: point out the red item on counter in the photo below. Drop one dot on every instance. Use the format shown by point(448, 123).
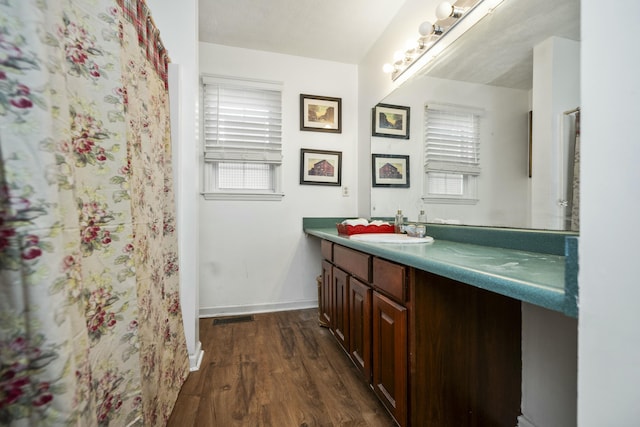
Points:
point(362, 229)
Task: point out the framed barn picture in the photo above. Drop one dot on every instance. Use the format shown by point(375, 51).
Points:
point(390, 170)
point(319, 167)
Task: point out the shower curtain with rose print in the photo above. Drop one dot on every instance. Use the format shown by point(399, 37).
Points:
point(91, 330)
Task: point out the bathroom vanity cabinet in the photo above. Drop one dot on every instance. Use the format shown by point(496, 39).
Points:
point(435, 351)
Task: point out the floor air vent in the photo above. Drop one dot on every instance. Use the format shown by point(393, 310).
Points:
point(235, 319)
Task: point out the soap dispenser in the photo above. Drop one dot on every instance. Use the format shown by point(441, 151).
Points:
point(399, 221)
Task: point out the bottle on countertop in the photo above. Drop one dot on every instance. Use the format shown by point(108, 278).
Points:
point(399, 221)
point(422, 217)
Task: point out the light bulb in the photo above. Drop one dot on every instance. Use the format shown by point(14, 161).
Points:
point(410, 45)
point(444, 10)
point(398, 56)
point(387, 68)
point(425, 28)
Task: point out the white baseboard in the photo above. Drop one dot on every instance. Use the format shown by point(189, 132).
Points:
point(195, 359)
point(523, 421)
point(254, 309)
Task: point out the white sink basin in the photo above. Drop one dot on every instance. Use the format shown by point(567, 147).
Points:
point(389, 238)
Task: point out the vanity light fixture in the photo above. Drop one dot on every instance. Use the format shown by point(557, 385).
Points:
point(434, 37)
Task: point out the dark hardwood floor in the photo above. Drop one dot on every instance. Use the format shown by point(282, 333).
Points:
point(279, 369)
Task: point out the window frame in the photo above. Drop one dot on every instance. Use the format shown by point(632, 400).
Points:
point(470, 172)
point(215, 154)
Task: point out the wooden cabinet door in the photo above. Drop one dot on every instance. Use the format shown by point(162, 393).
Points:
point(389, 342)
point(360, 326)
point(340, 313)
point(324, 302)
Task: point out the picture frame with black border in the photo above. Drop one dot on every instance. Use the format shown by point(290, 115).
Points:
point(391, 121)
point(390, 170)
point(320, 167)
point(320, 113)
point(530, 144)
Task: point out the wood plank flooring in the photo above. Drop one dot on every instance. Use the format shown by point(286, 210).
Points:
point(281, 369)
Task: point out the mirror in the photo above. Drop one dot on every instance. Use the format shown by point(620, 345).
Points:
point(522, 58)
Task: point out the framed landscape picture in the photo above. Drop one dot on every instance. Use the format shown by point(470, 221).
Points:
point(319, 167)
point(390, 170)
point(320, 113)
point(390, 121)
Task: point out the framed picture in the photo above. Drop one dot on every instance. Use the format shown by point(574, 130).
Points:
point(530, 140)
point(390, 121)
point(390, 170)
point(320, 113)
point(319, 167)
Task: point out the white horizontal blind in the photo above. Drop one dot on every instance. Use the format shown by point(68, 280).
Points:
point(242, 132)
point(452, 140)
point(242, 117)
point(451, 153)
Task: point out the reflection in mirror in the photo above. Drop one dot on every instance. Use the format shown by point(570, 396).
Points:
point(519, 62)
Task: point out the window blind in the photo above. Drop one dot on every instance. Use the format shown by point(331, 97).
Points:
point(452, 140)
point(242, 134)
point(242, 120)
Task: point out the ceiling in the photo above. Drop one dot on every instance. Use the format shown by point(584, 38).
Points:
point(498, 50)
point(333, 30)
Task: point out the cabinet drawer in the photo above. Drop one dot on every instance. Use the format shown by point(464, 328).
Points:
point(354, 262)
point(326, 249)
point(390, 278)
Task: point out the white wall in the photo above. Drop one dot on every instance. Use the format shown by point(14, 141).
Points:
point(609, 332)
point(503, 184)
point(549, 368)
point(556, 88)
point(253, 255)
point(178, 25)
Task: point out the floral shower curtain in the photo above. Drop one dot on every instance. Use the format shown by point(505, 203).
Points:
point(90, 323)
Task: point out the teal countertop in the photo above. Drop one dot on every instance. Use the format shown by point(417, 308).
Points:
point(538, 267)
